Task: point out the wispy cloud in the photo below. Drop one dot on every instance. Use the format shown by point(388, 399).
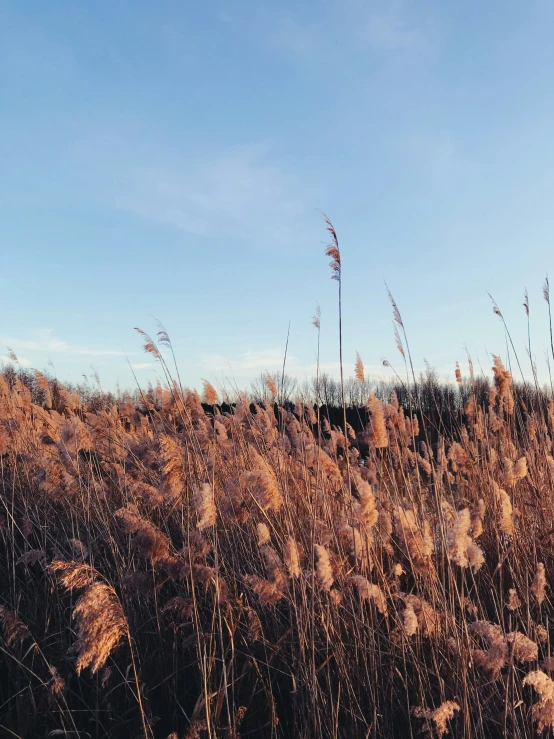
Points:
point(241, 192)
point(246, 363)
point(47, 343)
point(251, 364)
point(244, 191)
point(143, 365)
point(22, 361)
point(233, 192)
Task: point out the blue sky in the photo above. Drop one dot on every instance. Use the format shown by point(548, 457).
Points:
point(168, 159)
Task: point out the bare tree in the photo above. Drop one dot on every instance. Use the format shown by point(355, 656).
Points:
point(285, 384)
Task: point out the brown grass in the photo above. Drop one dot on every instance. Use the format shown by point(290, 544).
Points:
point(258, 571)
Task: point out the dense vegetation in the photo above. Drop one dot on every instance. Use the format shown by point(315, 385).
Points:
point(173, 568)
point(169, 568)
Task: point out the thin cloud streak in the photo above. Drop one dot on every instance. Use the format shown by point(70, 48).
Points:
point(143, 365)
point(48, 343)
point(251, 364)
point(21, 361)
point(239, 191)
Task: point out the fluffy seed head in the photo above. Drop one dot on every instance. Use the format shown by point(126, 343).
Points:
point(324, 570)
point(370, 591)
point(210, 393)
point(291, 557)
point(101, 624)
point(264, 537)
point(13, 628)
point(359, 369)
point(538, 586)
point(436, 720)
point(543, 710)
point(204, 505)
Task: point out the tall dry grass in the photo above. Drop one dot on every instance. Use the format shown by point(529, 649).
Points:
point(171, 570)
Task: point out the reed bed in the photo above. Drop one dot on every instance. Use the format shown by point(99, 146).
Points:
point(170, 568)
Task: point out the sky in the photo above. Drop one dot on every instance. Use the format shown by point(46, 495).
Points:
point(169, 162)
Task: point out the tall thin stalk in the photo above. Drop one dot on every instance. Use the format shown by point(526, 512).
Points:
point(333, 251)
point(316, 320)
point(283, 371)
point(498, 312)
point(546, 294)
point(533, 367)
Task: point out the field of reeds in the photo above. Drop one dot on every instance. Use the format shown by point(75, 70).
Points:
point(172, 567)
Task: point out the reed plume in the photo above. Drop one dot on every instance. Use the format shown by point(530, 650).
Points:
point(462, 550)
point(503, 384)
point(264, 488)
point(359, 369)
point(264, 537)
point(436, 721)
point(148, 541)
point(101, 624)
point(44, 386)
point(204, 504)
point(543, 710)
point(538, 586)
point(458, 374)
point(378, 437)
point(506, 521)
point(13, 629)
point(267, 591)
point(370, 591)
point(514, 601)
point(324, 570)
point(210, 393)
point(292, 557)
point(410, 621)
point(417, 540)
point(271, 385)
